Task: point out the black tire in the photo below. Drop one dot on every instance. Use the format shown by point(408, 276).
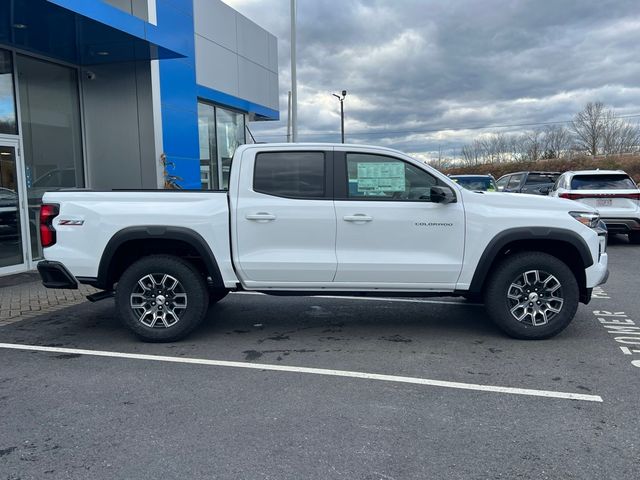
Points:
point(184, 307)
point(634, 238)
point(217, 294)
point(531, 327)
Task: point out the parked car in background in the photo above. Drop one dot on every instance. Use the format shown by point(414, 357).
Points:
point(612, 192)
point(536, 183)
point(477, 183)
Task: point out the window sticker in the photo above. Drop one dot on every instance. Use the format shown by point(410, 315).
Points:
point(380, 177)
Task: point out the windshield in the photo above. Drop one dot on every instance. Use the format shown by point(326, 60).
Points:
point(484, 184)
point(602, 182)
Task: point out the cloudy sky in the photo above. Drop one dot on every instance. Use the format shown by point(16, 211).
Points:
point(424, 75)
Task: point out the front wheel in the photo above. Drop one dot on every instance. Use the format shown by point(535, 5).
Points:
point(532, 296)
point(161, 298)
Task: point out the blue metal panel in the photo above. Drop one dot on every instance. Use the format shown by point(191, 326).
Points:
point(125, 22)
point(178, 94)
point(222, 98)
point(81, 32)
point(105, 13)
point(178, 84)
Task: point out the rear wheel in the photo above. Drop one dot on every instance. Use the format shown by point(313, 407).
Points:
point(634, 237)
point(532, 296)
point(161, 298)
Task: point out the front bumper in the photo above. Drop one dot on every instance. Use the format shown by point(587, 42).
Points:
point(56, 275)
point(598, 273)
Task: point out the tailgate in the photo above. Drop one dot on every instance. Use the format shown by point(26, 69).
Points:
point(620, 203)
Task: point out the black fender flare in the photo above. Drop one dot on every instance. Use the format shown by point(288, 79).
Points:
point(151, 232)
point(526, 233)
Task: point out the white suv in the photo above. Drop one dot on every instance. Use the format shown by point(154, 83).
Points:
point(612, 192)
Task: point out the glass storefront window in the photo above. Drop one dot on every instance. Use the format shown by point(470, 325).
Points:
point(8, 123)
point(207, 136)
point(221, 131)
point(230, 135)
point(50, 116)
point(10, 230)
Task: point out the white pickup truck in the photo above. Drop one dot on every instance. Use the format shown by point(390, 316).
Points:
point(309, 219)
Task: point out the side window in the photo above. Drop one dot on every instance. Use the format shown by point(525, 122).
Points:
point(502, 183)
point(515, 180)
point(290, 174)
point(558, 184)
point(386, 178)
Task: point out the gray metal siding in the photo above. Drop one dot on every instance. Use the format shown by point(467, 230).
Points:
point(118, 123)
point(234, 55)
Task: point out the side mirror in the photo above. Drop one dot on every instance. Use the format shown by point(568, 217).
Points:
point(442, 194)
point(545, 190)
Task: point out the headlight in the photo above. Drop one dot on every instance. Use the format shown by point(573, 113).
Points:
point(587, 218)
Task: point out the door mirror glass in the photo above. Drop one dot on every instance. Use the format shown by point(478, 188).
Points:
point(442, 194)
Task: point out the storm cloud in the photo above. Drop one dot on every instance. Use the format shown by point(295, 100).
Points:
point(425, 75)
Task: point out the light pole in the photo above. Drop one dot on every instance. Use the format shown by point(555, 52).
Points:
point(294, 78)
point(341, 98)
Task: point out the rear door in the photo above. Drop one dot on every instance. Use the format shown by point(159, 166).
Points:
point(514, 183)
point(284, 227)
point(389, 232)
point(502, 183)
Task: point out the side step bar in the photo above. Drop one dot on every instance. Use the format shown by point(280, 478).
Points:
point(96, 297)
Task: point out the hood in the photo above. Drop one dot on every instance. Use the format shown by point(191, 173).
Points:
point(523, 200)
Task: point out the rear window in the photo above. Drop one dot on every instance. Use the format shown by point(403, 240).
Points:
point(290, 174)
point(541, 178)
point(602, 182)
point(476, 183)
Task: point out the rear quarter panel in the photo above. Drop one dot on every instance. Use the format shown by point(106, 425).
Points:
point(80, 248)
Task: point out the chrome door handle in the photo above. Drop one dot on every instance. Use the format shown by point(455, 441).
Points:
point(261, 216)
point(358, 217)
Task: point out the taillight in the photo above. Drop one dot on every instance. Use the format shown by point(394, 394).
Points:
point(569, 196)
point(578, 196)
point(47, 234)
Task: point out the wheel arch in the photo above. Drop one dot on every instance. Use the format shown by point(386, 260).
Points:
point(566, 245)
point(132, 243)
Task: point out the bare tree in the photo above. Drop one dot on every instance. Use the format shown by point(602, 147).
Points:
point(472, 153)
point(494, 148)
point(588, 126)
point(618, 136)
point(533, 144)
point(517, 149)
point(557, 141)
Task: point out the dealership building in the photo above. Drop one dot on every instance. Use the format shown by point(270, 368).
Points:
point(128, 94)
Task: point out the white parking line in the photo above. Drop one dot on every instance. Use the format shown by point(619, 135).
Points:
point(380, 299)
point(315, 371)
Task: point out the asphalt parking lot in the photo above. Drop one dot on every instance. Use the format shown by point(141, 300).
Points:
point(561, 408)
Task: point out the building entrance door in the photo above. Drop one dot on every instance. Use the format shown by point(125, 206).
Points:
point(13, 234)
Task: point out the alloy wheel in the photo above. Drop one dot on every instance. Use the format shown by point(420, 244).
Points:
point(535, 297)
point(158, 300)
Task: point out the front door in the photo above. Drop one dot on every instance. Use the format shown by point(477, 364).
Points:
point(390, 234)
point(12, 212)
